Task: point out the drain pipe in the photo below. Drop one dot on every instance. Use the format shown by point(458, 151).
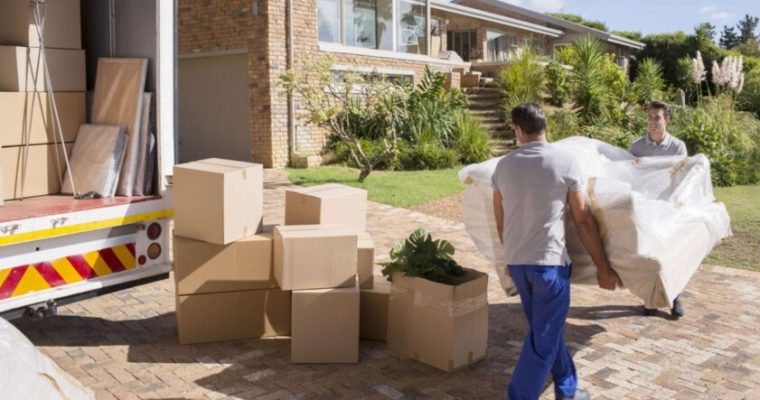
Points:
point(291, 102)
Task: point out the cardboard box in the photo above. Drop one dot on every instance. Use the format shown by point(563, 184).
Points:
point(373, 319)
point(233, 315)
point(202, 267)
point(43, 173)
point(444, 326)
point(331, 204)
point(325, 326)
point(62, 24)
point(20, 66)
point(365, 261)
point(218, 201)
point(314, 256)
point(27, 117)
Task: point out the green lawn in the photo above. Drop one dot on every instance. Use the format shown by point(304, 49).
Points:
point(743, 249)
point(396, 188)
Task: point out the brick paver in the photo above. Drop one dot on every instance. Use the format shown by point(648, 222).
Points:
point(124, 345)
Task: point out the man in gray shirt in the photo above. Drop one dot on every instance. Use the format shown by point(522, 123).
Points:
point(533, 187)
point(659, 143)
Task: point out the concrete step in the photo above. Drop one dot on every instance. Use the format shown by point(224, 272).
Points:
point(481, 104)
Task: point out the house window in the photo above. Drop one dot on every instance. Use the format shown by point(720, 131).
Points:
point(465, 43)
point(412, 26)
point(328, 20)
point(399, 25)
point(500, 46)
point(360, 23)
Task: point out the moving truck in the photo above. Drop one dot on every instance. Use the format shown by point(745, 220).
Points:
point(56, 249)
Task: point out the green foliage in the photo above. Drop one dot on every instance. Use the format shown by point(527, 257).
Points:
point(521, 81)
point(629, 35)
point(649, 85)
point(565, 55)
point(562, 124)
point(557, 83)
point(372, 147)
point(421, 256)
point(747, 27)
point(729, 38)
point(577, 19)
point(729, 138)
point(425, 154)
point(749, 98)
point(473, 142)
point(599, 86)
point(611, 134)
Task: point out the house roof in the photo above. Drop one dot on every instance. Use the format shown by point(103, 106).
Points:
point(450, 7)
point(548, 19)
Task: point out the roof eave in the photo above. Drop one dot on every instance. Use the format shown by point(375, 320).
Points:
point(498, 19)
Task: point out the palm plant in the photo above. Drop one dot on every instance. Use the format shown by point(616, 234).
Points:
point(588, 78)
point(522, 80)
point(649, 84)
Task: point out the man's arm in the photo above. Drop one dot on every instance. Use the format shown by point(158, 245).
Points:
point(589, 235)
point(498, 213)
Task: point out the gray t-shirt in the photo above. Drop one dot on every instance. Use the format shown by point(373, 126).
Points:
point(646, 147)
point(534, 181)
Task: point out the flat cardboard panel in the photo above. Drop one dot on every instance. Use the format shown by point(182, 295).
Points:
point(26, 117)
point(233, 315)
point(147, 126)
point(202, 267)
point(62, 24)
point(21, 65)
point(42, 171)
point(2, 198)
point(218, 201)
point(331, 204)
point(445, 326)
point(325, 326)
point(118, 99)
point(96, 159)
point(365, 261)
point(314, 256)
point(373, 318)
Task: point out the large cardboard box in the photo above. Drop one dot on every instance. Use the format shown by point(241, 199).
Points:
point(37, 169)
point(445, 326)
point(218, 201)
point(314, 256)
point(331, 204)
point(233, 315)
point(21, 65)
point(365, 261)
point(27, 117)
point(325, 326)
point(202, 267)
point(373, 318)
point(62, 24)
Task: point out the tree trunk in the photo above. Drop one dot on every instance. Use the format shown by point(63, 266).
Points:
point(365, 171)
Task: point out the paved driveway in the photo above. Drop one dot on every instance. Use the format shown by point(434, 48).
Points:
point(124, 344)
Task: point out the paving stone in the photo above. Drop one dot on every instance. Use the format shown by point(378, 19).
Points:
point(124, 344)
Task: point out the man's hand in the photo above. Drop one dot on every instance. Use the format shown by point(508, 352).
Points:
point(608, 279)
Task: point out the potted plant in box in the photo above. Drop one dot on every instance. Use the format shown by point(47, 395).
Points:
point(437, 310)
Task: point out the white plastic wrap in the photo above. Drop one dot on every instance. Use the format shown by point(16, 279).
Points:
point(657, 216)
point(25, 373)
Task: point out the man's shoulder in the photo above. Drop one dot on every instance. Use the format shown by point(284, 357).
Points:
point(639, 141)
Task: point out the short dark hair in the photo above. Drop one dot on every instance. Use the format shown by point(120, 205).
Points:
point(658, 105)
point(530, 118)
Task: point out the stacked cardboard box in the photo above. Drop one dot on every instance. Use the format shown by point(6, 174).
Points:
point(26, 117)
point(223, 267)
point(325, 256)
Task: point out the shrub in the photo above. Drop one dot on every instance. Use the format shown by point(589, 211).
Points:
point(611, 134)
point(648, 85)
point(522, 80)
point(473, 141)
point(749, 98)
point(562, 124)
point(557, 83)
point(426, 154)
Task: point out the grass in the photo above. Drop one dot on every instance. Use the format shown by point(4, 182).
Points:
point(743, 249)
point(395, 188)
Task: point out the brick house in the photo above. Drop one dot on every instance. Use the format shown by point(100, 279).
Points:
point(233, 52)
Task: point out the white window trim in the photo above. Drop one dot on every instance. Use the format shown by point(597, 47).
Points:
point(379, 70)
point(359, 51)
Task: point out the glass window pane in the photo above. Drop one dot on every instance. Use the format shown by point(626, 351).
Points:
point(360, 23)
point(385, 24)
point(328, 18)
point(412, 27)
